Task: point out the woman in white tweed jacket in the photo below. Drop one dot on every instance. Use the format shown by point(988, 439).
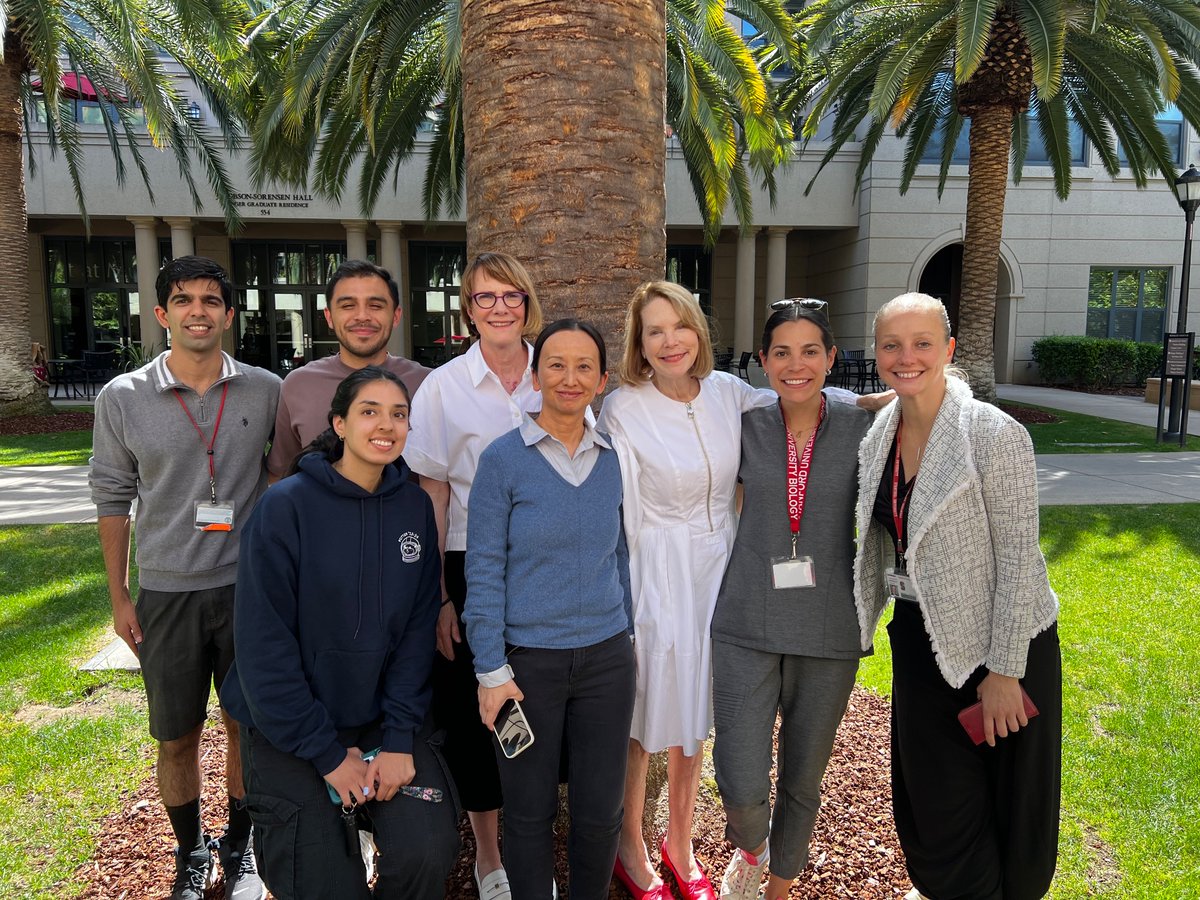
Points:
point(953, 538)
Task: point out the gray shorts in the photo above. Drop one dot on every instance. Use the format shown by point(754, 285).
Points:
point(187, 647)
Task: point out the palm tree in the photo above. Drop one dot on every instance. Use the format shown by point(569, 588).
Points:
point(114, 48)
point(1009, 66)
point(361, 79)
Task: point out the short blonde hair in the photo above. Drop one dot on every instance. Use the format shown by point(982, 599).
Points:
point(508, 269)
point(635, 368)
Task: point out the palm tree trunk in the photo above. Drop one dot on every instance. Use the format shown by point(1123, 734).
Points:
point(20, 392)
point(564, 126)
point(991, 138)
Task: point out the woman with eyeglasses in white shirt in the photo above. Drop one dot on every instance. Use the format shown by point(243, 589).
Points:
point(464, 406)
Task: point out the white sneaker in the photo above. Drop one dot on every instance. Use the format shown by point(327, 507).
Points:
point(914, 894)
point(742, 880)
point(493, 886)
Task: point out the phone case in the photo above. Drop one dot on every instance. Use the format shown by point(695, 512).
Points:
point(971, 718)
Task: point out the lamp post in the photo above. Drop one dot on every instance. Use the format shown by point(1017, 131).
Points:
point(1187, 191)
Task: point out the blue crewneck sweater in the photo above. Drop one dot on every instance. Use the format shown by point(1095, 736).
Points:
point(337, 600)
point(546, 561)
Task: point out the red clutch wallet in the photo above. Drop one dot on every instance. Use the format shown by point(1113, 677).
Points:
point(971, 718)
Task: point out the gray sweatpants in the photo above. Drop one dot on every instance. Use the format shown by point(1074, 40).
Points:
point(749, 687)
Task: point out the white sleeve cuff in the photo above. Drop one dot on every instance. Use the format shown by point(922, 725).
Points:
point(497, 678)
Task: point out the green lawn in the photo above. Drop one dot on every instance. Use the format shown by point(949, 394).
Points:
point(1127, 578)
point(1077, 433)
point(70, 742)
point(63, 448)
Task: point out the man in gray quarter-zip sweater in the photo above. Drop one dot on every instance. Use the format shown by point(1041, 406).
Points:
point(185, 435)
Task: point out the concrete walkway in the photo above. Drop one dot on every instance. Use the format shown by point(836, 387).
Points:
point(1104, 406)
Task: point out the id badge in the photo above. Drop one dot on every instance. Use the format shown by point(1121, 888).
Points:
point(900, 584)
point(214, 516)
point(792, 572)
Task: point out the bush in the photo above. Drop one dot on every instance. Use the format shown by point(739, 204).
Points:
point(1090, 362)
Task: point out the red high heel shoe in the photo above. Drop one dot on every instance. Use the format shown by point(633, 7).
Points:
point(639, 893)
point(700, 889)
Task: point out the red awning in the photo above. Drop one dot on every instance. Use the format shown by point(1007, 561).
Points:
point(77, 87)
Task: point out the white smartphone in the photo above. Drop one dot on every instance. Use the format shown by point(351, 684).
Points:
point(512, 729)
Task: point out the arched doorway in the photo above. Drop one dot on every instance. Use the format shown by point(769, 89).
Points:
point(942, 278)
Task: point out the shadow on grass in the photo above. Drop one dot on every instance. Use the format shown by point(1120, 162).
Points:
point(1065, 528)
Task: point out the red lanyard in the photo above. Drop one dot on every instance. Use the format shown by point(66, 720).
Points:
point(899, 510)
point(208, 445)
point(798, 465)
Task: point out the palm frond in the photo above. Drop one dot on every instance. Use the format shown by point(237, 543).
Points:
point(975, 19)
point(1044, 26)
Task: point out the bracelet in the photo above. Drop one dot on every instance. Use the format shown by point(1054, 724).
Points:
point(447, 600)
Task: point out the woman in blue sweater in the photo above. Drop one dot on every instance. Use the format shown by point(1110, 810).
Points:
point(548, 616)
point(336, 603)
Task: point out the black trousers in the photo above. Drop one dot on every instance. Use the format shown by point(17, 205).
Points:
point(975, 823)
point(299, 838)
point(467, 745)
point(584, 699)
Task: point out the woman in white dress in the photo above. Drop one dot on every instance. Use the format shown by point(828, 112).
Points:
point(675, 425)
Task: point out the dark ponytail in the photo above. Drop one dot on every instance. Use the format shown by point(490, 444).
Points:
point(327, 443)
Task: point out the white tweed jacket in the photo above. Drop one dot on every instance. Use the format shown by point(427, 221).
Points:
point(973, 538)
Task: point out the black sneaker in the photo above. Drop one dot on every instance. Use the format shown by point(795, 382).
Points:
point(194, 873)
point(241, 870)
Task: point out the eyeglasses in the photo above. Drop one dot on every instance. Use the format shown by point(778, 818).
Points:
point(809, 303)
point(486, 299)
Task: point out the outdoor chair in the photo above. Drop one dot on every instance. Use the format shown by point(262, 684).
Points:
point(98, 368)
point(743, 368)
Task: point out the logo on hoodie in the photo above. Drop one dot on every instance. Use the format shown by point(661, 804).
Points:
point(410, 547)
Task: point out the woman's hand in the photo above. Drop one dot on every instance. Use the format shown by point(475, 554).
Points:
point(1003, 709)
point(350, 779)
point(448, 633)
point(389, 772)
point(491, 699)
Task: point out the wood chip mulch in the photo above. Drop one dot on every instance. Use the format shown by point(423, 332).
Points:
point(62, 421)
point(854, 851)
point(1029, 416)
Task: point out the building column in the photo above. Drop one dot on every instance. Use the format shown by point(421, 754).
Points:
point(777, 262)
point(743, 303)
point(390, 236)
point(145, 246)
point(182, 242)
point(356, 238)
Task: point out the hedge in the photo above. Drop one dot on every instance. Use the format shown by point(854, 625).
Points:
point(1090, 362)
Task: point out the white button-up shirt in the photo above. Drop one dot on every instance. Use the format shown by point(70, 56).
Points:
point(461, 408)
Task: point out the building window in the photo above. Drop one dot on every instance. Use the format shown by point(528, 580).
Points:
point(691, 266)
point(1171, 124)
point(1035, 153)
point(439, 332)
point(1130, 304)
point(93, 294)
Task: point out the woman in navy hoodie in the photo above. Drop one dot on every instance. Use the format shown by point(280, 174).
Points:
point(337, 599)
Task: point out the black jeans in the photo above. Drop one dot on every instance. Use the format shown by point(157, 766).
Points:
point(583, 697)
point(299, 841)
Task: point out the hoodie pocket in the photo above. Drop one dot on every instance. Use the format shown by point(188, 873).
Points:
point(347, 682)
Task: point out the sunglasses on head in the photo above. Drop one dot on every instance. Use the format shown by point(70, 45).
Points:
point(810, 303)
